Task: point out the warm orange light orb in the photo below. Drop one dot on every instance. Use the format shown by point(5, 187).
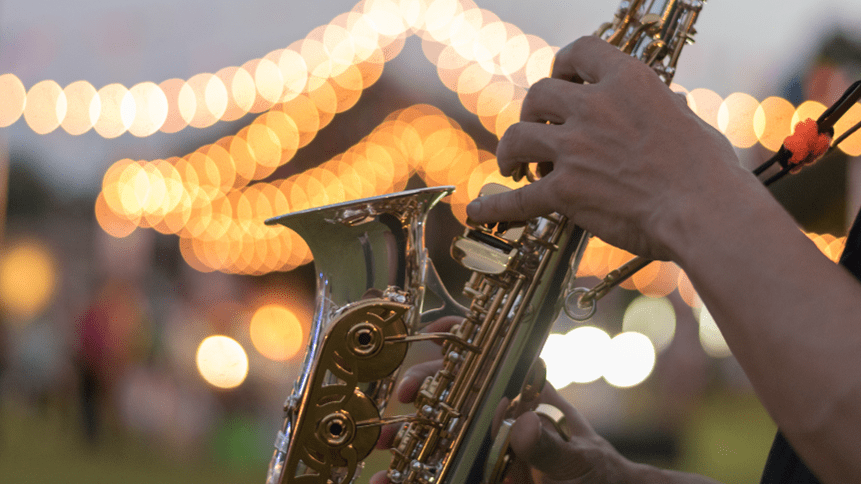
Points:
point(276, 332)
point(28, 277)
point(222, 362)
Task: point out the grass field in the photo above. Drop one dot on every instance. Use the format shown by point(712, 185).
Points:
point(45, 446)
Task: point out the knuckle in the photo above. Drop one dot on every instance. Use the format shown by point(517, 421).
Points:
point(584, 42)
point(571, 142)
point(589, 40)
point(638, 72)
point(538, 86)
point(533, 97)
point(508, 143)
point(511, 134)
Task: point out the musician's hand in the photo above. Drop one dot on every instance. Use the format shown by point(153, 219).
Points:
point(630, 160)
point(543, 456)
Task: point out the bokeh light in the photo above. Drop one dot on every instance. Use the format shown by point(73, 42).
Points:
point(151, 109)
point(117, 113)
point(736, 119)
point(630, 360)
point(772, 122)
point(852, 145)
point(210, 95)
point(276, 332)
point(222, 361)
point(83, 106)
point(299, 89)
point(706, 103)
point(711, 337)
point(687, 292)
point(807, 109)
point(13, 99)
point(578, 356)
point(653, 317)
point(180, 105)
point(45, 107)
point(28, 278)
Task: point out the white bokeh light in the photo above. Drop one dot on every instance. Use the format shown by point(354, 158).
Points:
point(653, 317)
point(710, 336)
point(222, 361)
point(630, 359)
point(575, 357)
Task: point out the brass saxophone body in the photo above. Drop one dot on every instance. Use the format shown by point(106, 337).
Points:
point(372, 275)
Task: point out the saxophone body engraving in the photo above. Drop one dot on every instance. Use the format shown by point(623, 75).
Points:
point(372, 275)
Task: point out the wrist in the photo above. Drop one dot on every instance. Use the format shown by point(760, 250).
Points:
point(715, 216)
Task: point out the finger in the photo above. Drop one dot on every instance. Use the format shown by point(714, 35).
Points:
point(588, 58)
point(577, 424)
point(522, 204)
point(530, 440)
point(442, 325)
point(526, 142)
point(549, 100)
point(518, 472)
point(543, 449)
point(387, 435)
point(379, 478)
point(413, 379)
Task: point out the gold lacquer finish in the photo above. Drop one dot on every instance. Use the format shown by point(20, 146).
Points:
point(653, 31)
point(333, 435)
point(373, 273)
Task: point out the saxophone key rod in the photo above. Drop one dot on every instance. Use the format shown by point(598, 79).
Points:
point(433, 337)
point(580, 303)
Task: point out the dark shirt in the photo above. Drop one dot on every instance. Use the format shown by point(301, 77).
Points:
point(783, 465)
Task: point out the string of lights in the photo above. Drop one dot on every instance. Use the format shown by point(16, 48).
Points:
point(208, 197)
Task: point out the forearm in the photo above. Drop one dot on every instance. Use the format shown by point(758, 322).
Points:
point(790, 316)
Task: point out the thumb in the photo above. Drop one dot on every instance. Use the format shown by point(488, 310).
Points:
point(543, 449)
point(521, 204)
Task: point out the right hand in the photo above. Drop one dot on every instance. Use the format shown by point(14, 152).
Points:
point(631, 163)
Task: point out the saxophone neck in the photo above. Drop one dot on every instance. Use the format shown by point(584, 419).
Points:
point(654, 31)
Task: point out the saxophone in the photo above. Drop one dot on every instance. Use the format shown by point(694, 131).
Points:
point(373, 273)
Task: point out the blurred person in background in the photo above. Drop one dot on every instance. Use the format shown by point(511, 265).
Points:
point(114, 330)
point(110, 336)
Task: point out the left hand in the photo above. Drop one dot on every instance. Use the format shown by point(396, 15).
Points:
point(542, 455)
